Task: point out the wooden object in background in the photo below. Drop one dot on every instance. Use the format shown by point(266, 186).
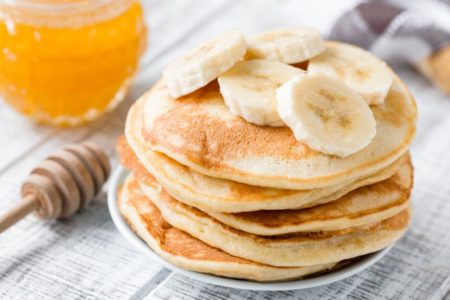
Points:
point(62, 184)
point(437, 68)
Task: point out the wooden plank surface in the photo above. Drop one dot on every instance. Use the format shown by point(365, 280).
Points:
point(84, 257)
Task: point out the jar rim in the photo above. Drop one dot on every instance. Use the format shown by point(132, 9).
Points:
point(62, 13)
point(57, 6)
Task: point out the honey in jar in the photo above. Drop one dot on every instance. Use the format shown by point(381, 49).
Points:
point(65, 62)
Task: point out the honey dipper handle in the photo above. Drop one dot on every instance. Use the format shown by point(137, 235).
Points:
point(28, 204)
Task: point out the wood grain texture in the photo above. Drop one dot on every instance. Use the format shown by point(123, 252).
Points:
point(84, 257)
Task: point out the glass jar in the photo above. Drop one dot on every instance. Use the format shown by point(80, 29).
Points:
point(66, 61)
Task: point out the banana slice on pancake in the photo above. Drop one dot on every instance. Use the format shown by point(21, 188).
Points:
point(290, 46)
point(358, 68)
point(205, 63)
point(326, 114)
point(249, 89)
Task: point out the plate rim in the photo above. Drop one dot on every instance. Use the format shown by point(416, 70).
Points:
point(118, 177)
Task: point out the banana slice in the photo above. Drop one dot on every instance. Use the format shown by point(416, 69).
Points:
point(326, 114)
point(286, 45)
point(358, 68)
point(205, 63)
point(249, 89)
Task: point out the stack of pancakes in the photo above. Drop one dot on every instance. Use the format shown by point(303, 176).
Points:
point(213, 193)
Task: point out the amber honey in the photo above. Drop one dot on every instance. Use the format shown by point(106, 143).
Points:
point(65, 62)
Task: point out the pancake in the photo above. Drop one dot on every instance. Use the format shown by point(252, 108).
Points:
point(221, 195)
point(189, 253)
point(363, 206)
point(200, 132)
point(295, 250)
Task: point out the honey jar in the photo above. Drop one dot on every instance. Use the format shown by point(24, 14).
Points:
point(66, 61)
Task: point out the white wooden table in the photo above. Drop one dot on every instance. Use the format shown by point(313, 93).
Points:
point(84, 257)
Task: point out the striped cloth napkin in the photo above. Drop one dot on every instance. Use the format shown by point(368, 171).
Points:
point(402, 31)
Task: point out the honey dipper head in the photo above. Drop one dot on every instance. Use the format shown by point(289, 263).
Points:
point(67, 180)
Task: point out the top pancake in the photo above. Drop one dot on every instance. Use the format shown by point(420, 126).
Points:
point(221, 195)
point(200, 132)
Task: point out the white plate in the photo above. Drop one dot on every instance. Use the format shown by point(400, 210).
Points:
point(116, 181)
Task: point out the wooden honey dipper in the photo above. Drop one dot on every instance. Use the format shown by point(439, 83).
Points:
point(62, 184)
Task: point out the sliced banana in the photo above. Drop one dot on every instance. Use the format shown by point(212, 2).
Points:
point(249, 89)
point(205, 63)
point(286, 45)
point(358, 68)
point(326, 114)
